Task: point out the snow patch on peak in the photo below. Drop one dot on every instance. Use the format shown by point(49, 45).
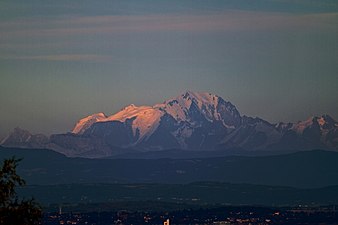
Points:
point(129, 112)
point(178, 107)
point(324, 123)
point(86, 122)
point(281, 126)
point(302, 125)
point(321, 121)
point(202, 97)
point(199, 98)
point(211, 107)
point(327, 120)
point(129, 107)
point(146, 119)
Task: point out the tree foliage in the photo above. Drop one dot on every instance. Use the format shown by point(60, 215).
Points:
point(12, 209)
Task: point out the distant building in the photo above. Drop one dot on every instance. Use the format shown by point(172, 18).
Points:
point(166, 222)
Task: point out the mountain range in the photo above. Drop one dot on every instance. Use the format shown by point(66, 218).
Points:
point(190, 122)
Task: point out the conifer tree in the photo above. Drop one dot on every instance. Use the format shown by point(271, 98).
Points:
point(12, 209)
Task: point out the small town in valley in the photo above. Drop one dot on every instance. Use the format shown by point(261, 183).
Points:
point(244, 215)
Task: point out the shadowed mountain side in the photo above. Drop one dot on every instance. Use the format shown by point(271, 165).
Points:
point(302, 169)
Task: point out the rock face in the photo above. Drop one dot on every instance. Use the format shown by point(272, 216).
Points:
point(191, 121)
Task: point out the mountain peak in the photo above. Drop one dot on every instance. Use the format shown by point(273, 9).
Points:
point(322, 122)
point(23, 138)
point(129, 107)
point(203, 97)
point(18, 134)
point(86, 122)
point(201, 106)
point(329, 119)
point(327, 122)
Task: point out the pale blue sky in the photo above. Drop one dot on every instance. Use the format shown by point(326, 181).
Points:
point(63, 60)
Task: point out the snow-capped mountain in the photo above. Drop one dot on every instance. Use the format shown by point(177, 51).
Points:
point(190, 121)
point(315, 132)
point(189, 107)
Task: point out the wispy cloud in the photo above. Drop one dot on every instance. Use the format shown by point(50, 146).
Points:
point(117, 24)
point(20, 38)
point(62, 57)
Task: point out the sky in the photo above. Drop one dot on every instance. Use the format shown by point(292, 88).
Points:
point(63, 60)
